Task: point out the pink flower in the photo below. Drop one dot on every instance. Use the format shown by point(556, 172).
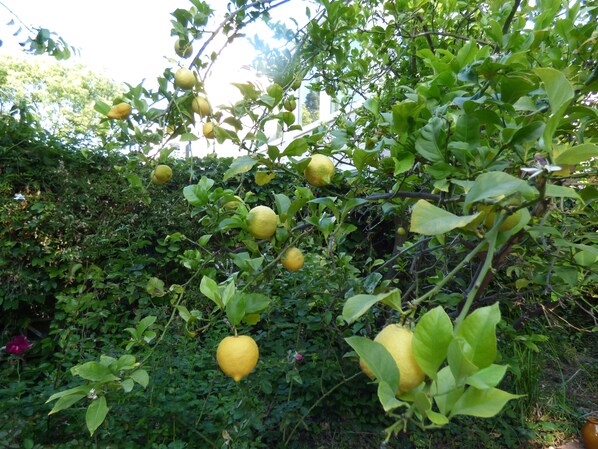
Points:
point(298, 357)
point(17, 345)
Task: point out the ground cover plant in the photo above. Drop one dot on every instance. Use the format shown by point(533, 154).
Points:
point(421, 263)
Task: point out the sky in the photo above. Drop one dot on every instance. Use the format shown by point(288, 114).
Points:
point(129, 40)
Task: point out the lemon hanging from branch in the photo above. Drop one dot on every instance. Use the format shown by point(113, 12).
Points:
point(237, 356)
point(319, 171)
point(397, 340)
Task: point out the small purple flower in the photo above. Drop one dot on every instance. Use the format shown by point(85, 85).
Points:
point(298, 357)
point(17, 345)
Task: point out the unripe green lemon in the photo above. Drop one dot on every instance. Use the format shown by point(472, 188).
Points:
point(161, 174)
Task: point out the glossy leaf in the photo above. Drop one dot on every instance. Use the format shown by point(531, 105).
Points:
point(488, 377)
point(478, 329)
point(428, 219)
point(357, 305)
point(431, 338)
point(378, 360)
point(240, 165)
point(484, 403)
point(445, 390)
point(494, 185)
point(96, 413)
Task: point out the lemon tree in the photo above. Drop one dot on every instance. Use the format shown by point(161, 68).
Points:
point(441, 170)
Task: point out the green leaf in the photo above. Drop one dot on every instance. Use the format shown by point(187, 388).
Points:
point(428, 219)
point(482, 403)
point(240, 165)
point(577, 154)
point(460, 365)
point(127, 385)
point(468, 130)
point(437, 418)
point(357, 305)
point(296, 148)
point(560, 93)
point(478, 329)
point(141, 377)
point(445, 390)
point(391, 299)
point(494, 185)
point(378, 360)
point(431, 338)
point(557, 86)
point(388, 397)
point(155, 287)
point(209, 288)
point(255, 302)
point(228, 292)
point(145, 323)
point(431, 141)
point(94, 371)
point(488, 377)
point(235, 309)
point(561, 192)
point(96, 413)
point(81, 389)
point(66, 401)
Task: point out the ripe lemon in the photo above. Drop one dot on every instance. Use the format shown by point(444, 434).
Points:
point(184, 79)
point(208, 130)
point(201, 106)
point(161, 174)
point(292, 259)
point(490, 215)
point(262, 222)
point(119, 111)
point(184, 50)
point(319, 171)
point(397, 340)
point(237, 356)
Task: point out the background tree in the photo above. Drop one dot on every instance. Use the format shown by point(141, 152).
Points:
point(61, 95)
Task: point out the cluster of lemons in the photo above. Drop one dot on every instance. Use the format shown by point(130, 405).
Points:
point(238, 355)
point(185, 79)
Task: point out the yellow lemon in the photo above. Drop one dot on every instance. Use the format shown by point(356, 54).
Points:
point(397, 340)
point(161, 174)
point(490, 215)
point(292, 259)
point(183, 49)
point(119, 111)
point(319, 171)
point(184, 79)
point(237, 356)
point(208, 130)
point(201, 106)
point(262, 222)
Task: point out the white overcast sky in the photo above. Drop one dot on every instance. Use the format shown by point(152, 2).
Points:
point(127, 40)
